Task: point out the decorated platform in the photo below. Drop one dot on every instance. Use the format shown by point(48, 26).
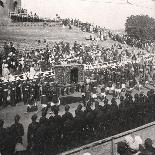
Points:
point(69, 74)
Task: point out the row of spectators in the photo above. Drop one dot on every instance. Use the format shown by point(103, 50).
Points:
point(61, 53)
point(134, 145)
point(104, 34)
point(59, 133)
point(22, 16)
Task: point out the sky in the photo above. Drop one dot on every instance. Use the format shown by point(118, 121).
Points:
point(106, 13)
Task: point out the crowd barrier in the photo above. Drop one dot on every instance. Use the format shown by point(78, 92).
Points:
point(108, 146)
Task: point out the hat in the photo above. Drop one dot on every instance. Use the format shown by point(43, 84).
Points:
point(113, 100)
point(121, 147)
point(34, 117)
point(79, 106)
point(1, 122)
point(148, 142)
point(17, 117)
point(121, 98)
point(67, 107)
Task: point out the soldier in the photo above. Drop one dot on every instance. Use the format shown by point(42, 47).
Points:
point(106, 111)
point(68, 127)
point(37, 91)
point(79, 123)
point(40, 138)
point(142, 107)
point(5, 94)
point(2, 137)
point(17, 131)
point(12, 49)
point(18, 91)
point(13, 95)
point(58, 127)
point(26, 93)
point(114, 120)
point(98, 121)
point(8, 142)
point(89, 118)
point(32, 128)
point(44, 113)
point(67, 114)
point(1, 93)
point(122, 112)
point(51, 136)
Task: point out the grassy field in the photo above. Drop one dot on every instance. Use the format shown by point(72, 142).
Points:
point(32, 33)
point(22, 35)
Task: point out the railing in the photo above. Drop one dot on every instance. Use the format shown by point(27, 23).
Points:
point(108, 146)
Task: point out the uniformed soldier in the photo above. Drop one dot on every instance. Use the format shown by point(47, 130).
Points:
point(98, 121)
point(89, 118)
point(37, 91)
point(13, 100)
point(59, 128)
point(43, 116)
point(17, 131)
point(5, 94)
point(114, 120)
point(67, 114)
point(68, 127)
point(2, 137)
point(39, 140)
point(1, 94)
point(32, 128)
point(79, 120)
point(51, 137)
point(106, 111)
point(26, 92)
point(122, 114)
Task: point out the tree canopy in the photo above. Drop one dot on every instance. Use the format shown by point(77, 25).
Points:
point(140, 27)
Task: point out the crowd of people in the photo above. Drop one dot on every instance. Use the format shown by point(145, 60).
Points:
point(27, 75)
point(62, 53)
point(104, 34)
point(89, 124)
point(59, 133)
point(134, 145)
point(21, 15)
point(28, 72)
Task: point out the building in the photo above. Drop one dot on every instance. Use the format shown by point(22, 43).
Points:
point(7, 6)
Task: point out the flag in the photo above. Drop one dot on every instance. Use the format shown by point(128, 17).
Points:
point(1, 4)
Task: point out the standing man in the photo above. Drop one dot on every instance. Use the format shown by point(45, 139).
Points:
point(32, 128)
point(2, 137)
point(17, 131)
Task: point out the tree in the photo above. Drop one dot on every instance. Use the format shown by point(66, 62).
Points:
point(140, 27)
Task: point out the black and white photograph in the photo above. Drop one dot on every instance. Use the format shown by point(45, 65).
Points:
point(77, 77)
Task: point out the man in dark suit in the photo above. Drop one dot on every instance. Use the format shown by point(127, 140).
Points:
point(17, 131)
point(32, 128)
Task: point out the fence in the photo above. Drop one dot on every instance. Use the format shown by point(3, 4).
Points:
point(108, 146)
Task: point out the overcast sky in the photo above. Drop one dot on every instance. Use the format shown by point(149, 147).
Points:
point(108, 13)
